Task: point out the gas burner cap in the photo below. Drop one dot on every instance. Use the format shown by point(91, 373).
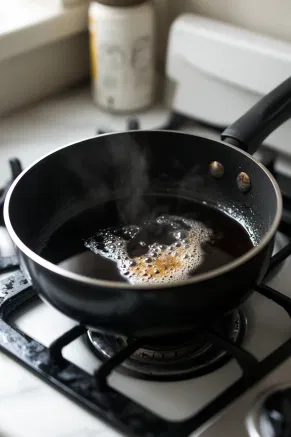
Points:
point(175, 357)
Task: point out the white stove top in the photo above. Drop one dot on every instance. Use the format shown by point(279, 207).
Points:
point(65, 118)
point(28, 407)
point(180, 399)
point(268, 327)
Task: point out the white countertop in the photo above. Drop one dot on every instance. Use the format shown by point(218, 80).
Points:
point(28, 406)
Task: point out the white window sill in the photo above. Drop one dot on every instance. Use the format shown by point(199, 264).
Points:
point(28, 24)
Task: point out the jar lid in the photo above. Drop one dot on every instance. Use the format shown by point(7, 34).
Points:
point(120, 3)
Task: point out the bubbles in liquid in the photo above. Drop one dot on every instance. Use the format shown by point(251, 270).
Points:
point(159, 263)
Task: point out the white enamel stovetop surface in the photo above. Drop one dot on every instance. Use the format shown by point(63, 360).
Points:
point(28, 407)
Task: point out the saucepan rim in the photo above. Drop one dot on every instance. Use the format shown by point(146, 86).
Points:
point(125, 285)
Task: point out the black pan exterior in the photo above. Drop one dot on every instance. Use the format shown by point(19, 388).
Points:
point(132, 312)
point(253, 127)
point(112, 166)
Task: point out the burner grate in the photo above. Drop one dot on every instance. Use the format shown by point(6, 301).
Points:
point(93, 392)
point(176, 358)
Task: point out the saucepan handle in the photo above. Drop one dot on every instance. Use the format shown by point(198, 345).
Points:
point(250, 130)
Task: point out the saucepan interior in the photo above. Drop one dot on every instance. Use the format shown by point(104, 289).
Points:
point(124, 167)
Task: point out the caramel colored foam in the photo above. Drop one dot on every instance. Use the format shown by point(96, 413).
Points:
point(162, 263)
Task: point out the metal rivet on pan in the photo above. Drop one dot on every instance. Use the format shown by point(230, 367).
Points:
point(243, 182)
point(216, 169)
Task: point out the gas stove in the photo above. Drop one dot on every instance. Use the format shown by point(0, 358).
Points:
point(212, 383)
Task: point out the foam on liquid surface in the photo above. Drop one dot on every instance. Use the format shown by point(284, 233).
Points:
point(164, 250)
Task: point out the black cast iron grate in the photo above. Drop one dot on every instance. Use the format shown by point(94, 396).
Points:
point(93, 392)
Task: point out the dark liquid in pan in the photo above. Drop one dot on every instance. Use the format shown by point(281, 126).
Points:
point(221, 240)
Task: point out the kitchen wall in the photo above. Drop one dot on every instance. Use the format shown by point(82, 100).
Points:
point(165, 15)
point(35, 74)
point(41, 72)
point(67, 60)
point(271, 17)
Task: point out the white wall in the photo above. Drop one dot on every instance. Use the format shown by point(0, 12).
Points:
point(164, 18)
point(272, 17)
point(41, 72)
point(35, 74)
point(67, 60)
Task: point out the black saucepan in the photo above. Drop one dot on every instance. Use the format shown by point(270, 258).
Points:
point(79, 176)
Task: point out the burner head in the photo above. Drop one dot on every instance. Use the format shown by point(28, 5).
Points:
point(177, 356)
